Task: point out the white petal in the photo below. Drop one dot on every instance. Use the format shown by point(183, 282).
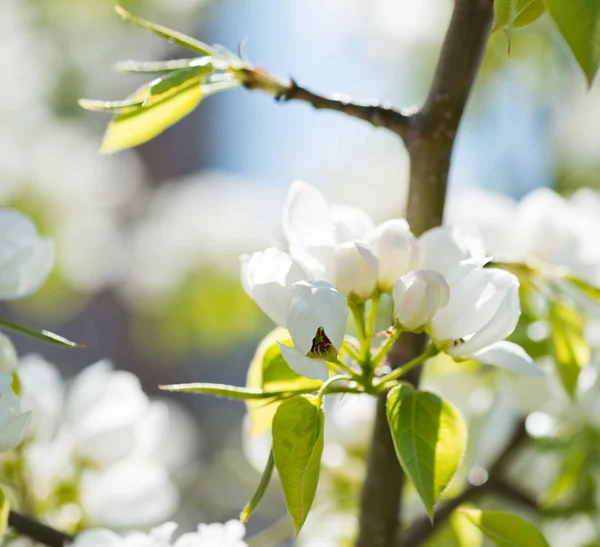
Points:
point(303, 365)
point(306, 219)
point(316, 304)
point(443, 248)
point(14, 432)
point(510, 357)
point(474, 300)
point(8, 355)
point(268, 277)
point(352, 268)
point(350, 224)
point(501, 325)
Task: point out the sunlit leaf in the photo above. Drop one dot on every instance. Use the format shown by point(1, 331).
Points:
point(4, 512)
point(297, 449)
point(269, 372)
point(456, 532)
point(127, 105)
point(153, 67)
point(430, 437)
point(579, 23)
point(504, 529)
point(516, 13)
point(260, 491)
point(43, 335)
point(161, 89)
point(164, 32)
point(570, 347)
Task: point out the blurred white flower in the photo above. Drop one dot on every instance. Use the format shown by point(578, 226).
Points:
point(13, 422)
point(228, 534)
point(418, 295)
point(352, 268)
point(8, 355)
point(26, 258)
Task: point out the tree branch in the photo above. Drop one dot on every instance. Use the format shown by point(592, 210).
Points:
point(429, 139)
point(378, 114)
point(33, 529)
point(420, 531)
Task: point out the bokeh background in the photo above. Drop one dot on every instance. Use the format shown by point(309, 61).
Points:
point(148, 240)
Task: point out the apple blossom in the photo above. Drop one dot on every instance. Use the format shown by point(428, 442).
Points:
point(482, 310)
point(397, 250)
point(13, 422)
point(228, 534)
point(418, 295)
point(25, 257)
point(352, 269)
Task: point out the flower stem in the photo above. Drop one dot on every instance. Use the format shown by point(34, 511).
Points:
point(347, 369)
point(351, 350)
point(385, 348)
point(358, 312)
point(323, 389)
point(366, 349)
point(401, 371)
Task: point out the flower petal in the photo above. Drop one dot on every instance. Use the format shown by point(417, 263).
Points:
point(510, 357)
point(443, 248)
point(14, 432)
point(303, 365)
point(268, 277)
point(350, 224)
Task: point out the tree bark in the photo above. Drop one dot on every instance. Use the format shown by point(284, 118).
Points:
point(429, 143)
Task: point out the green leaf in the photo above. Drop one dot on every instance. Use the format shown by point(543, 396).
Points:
point(260, 491)
point(456, 532)
point(579, 23)
point(164, 32)
point(516, 13)
point(269, 372)
point(297, 448)
point(128, 105)
point(586, 288)
point(153, 67)
point(161, 89)
point(504, 529)
point(570, 348)
point(224, 390)
point(43, 335)
point(430, 437)
point(4, 512)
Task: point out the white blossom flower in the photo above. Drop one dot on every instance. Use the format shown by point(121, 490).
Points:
point(482, 310)
point(418, 295)
point(13, 422)
point(25, 257)
point(397, 249)
point(352, 269)
point(228, 534)
point(313, 228)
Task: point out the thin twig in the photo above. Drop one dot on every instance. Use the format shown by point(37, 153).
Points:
point(33, 529)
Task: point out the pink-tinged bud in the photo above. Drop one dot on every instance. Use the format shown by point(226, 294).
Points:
point(397, 250)
point(352, 269)
point(418, 295)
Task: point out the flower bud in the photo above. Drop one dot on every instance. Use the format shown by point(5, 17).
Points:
point(418, 295)
point(397, 250)
point(352, 269)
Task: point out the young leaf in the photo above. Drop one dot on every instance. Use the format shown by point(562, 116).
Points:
point(579, 23)
point(131, 128)
point(504, 529)
point(4, 512)
point(153, 67)
point(111, 106)
point(260, 491)
point(223, 390)
point(43, 335)
point(297, 448)
point(516, 13)
point(430, 437)
point(570, 348)
point(456, 532)
point(161, 89)
point(167, 33)
point(586, 288)
point(269, 372)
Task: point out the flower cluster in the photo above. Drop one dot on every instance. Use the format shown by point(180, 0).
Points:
point(338, 260)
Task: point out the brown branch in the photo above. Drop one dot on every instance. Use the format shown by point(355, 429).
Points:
point(378, 114)
point(33, 529)
point(421, 530)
